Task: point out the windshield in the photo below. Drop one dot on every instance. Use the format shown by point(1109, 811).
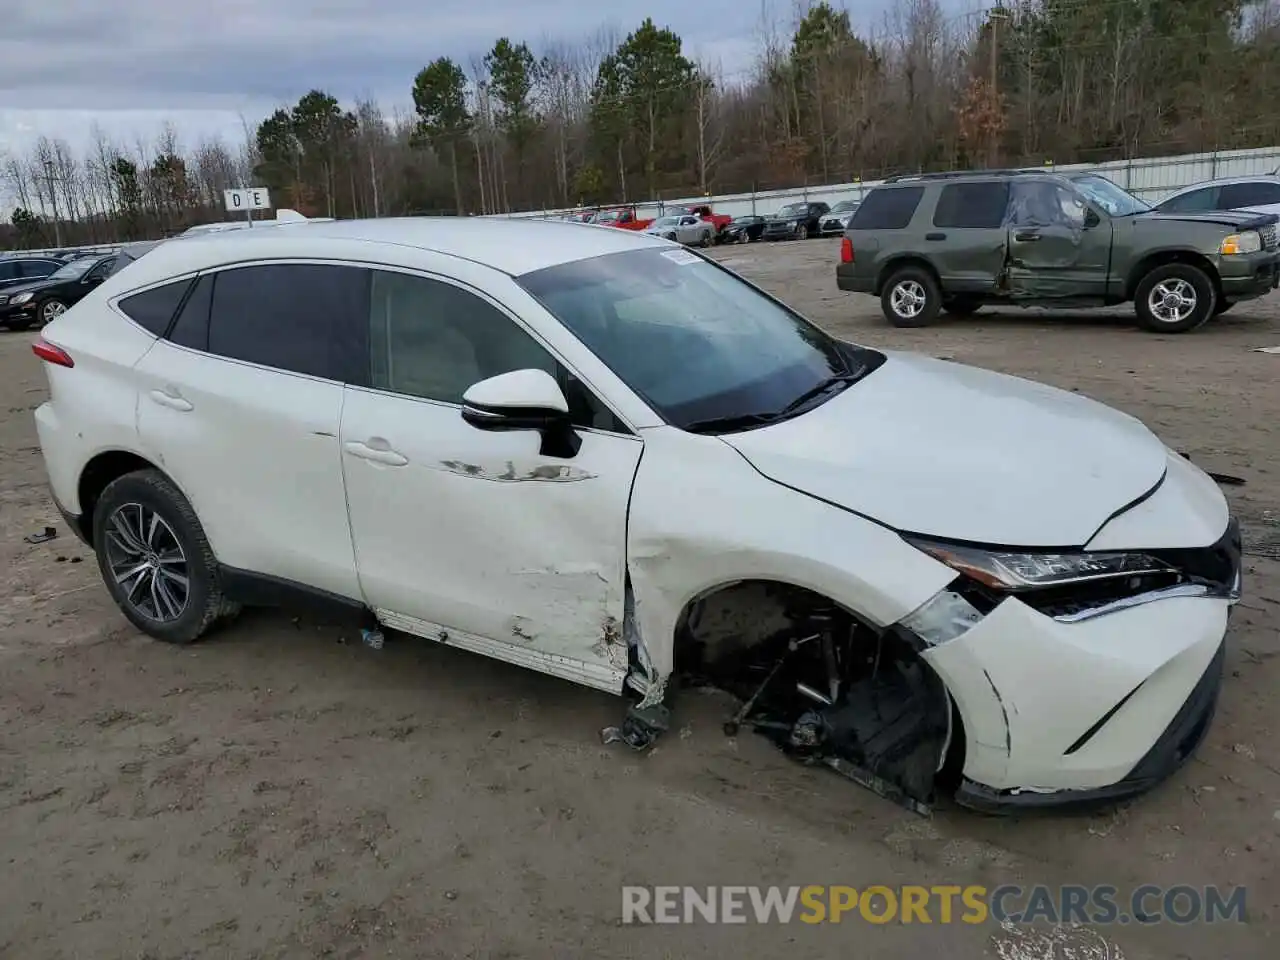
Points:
point(76, 268)
point(1111, 198)
point(692, 339)
point(607, 217)
point(794, 210)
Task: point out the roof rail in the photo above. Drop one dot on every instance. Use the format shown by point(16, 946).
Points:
point(958, 174)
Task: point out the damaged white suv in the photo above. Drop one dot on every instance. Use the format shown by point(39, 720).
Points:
point(600, 456)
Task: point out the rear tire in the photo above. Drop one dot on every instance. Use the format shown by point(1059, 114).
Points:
point(706, 239)
point(911, 298)
point(155, 559)
point(1174, 298)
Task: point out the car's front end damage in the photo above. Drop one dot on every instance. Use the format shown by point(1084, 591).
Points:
point(1015, 677)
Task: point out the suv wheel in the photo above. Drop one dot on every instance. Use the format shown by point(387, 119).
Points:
point(911, 298)
point(155, 558)
point(1174, 298)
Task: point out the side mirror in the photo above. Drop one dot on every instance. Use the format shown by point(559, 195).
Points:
point(523, 400)
point(92, 280)
point(1091, 218)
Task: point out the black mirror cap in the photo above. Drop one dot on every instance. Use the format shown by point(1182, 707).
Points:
point(559, 439)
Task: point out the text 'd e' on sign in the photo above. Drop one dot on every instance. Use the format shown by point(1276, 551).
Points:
point(250, 198)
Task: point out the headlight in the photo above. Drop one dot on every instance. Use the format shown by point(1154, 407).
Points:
point(20, 298)
point(1247, 241)
point(791, 223)
point(1011, 571)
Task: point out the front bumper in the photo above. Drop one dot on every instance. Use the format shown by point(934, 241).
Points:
point(1249, 276)
point(779, 232)
point(1090, 707)
point(25, 313)
point(830, 228)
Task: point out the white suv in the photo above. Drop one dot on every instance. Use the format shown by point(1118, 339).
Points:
point(601, 457)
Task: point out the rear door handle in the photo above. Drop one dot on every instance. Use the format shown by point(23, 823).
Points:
point(1026, 237)
point(171, 400)
point(365, 452)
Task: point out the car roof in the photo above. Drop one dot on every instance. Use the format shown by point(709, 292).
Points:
point(1223, 182)
point(513, 246)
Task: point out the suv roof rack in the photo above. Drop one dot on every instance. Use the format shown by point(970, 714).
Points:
point(959, 174)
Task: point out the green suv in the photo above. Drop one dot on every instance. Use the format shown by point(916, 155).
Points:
point(956, 241)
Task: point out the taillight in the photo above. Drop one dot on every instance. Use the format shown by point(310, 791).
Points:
point(846, 250)
point(47, 352)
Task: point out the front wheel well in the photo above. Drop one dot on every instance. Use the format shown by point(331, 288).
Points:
point(901, 262)
point(1159, 259)
point(97, 474)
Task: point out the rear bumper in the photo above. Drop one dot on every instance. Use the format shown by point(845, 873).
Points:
point(1244, 278)
point(851, 282)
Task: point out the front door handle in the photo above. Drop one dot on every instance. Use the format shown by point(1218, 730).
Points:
point(365, 452)
point(1026, 236)
point(171, 400)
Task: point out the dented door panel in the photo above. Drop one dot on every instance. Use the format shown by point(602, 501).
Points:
point(480, 534)
point(1054, 252)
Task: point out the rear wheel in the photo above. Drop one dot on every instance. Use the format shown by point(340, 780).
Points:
point(802, 232)
point(1174, 298)
point(155, 559)
point(706, 239)
point(50, 310)
point(911, 298)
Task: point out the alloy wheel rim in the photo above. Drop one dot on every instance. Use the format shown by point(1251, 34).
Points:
point(52, 310)
point(908, 299)
point(147, 563)
point(1172, 300)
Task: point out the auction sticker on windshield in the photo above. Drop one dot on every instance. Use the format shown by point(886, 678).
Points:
point(682, 257)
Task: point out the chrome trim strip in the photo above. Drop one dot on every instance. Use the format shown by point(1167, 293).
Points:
point(1151, 596)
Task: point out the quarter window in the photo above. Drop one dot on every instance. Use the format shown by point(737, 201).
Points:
point(887, 208)
point(433, 340)
point(154, 309)
point(301, 317)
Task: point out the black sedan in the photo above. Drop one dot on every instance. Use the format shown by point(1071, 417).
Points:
point(795, 221)
point(36, 302)
point(24, 269)
point(745, 229)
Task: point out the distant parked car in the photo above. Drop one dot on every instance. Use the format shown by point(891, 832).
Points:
point(15, 270)
point(36, 302)
point(837, 218)
point(685, 228)
point(795, 221)
point(1260, 194)
point(744, 229)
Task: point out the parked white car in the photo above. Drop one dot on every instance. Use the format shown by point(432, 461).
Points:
point(1260, 194)
point(607, 459)
point(684, 228)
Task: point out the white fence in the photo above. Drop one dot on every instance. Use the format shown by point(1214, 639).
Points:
point(1151, 179)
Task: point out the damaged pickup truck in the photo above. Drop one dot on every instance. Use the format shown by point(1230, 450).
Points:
point(954, 242)
point(595, 456)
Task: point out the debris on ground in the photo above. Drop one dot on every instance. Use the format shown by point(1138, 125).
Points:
point(640, 727)
point(44, 536)
point(373, 639)
point(1267, 350)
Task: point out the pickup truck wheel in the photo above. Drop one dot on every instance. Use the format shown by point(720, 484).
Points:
point(911, 298)
point(1174, 298)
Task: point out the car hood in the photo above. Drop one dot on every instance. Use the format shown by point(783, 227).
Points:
point(955, 452)
point(29, 286)
point(1237, 219)
point(793, 219)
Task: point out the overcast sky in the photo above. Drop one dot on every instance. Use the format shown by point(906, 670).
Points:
point(205, 64)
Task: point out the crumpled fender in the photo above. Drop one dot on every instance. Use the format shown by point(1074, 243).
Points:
point(701, 517)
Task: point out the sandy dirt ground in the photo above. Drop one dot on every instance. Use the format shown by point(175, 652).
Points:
point(282, 791)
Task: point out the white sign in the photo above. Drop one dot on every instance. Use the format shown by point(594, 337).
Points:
point(253, 198)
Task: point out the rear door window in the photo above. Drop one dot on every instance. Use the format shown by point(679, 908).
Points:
point(978, 206)
point(887, 208)
point(301, 317)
